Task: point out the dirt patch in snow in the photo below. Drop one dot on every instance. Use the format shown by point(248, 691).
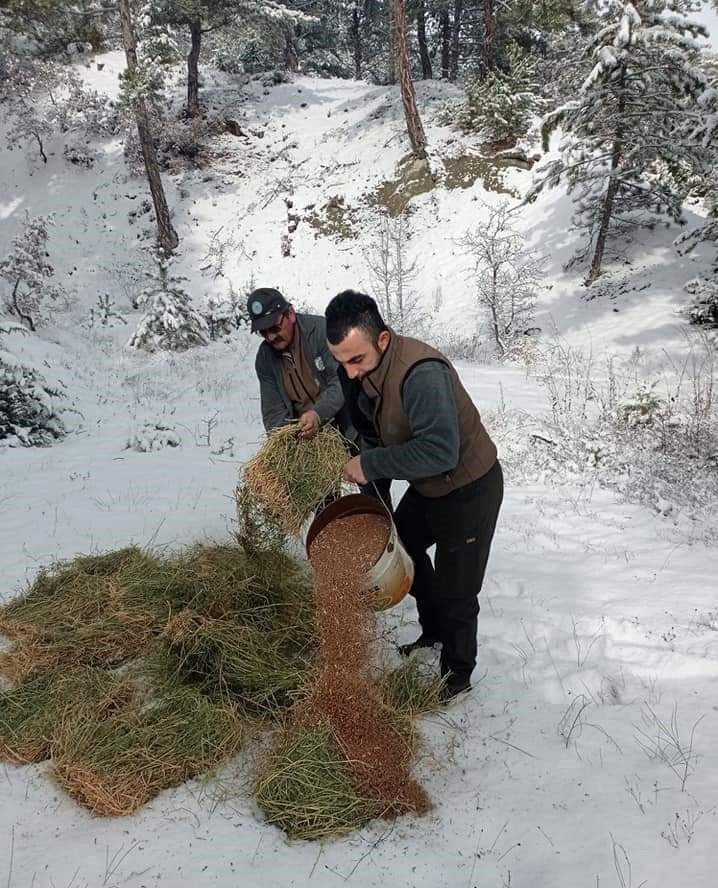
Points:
point(335, 219)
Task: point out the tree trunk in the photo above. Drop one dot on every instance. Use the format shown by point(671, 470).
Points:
point(391, 67)
point(426, 71)
point(612, 188)
point(455, 40)
point(408, 96)
point(489, 16)
point(445, 43)
point(195, 30)
point(40, 146)
point(23, 317)
point(291, 59)
point(355, 35)
point(166, 235)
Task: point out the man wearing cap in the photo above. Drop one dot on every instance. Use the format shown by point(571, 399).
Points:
point(297, 373)
point(428, 432)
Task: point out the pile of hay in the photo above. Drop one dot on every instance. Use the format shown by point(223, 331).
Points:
point(132, 672)
point(78, 613)
point(258, 667)
point(290, 476)
point(306, 787)
point(325, 774)
point(108, 610)
point(345, 755)
point(32, 709)
point(115, 765)
point(409, 690)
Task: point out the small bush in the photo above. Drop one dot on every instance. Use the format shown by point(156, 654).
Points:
point(500, 105)
point(30, 415)
point(653, 440)
point(154, 436)
point(704, 309)
point(79, 155)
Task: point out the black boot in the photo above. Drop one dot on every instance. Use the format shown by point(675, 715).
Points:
point(454, 686)
point(423, 641)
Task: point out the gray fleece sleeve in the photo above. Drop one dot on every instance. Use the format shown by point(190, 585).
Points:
point(433, 449)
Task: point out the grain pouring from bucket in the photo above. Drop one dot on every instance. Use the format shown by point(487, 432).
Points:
point(291, 477)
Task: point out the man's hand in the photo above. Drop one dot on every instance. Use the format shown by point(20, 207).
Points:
point(308, 424)
point(353, 471)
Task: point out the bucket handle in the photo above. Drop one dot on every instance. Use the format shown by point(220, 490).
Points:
point(381, 500)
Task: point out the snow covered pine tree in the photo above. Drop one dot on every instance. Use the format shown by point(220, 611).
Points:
point(27, 270)
point(29, 414)
point(626, 148)
point(170, 322)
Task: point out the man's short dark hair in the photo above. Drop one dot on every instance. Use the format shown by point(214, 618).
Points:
point(350, 309)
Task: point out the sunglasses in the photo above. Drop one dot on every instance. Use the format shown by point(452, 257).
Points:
point(274, 329)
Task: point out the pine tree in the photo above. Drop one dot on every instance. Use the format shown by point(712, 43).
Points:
point(30, 412)
point(704, 289)
point(626, 151)
point(170, 322)
point(414, 127)
point(501, 105)
point(139, 84)
point(29, 273)
point(197, 17)
point(53, 24)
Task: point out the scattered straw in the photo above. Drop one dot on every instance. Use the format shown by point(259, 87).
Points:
point(116, 765)
point(31, 710)
point(410, 689)
point(307, 788)
point(262, 668)
point(291, 476)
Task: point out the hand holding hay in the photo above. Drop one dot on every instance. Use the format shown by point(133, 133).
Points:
point(290, 476)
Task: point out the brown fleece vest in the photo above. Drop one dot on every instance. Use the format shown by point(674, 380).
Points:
point(298, 376)
point(477, 452)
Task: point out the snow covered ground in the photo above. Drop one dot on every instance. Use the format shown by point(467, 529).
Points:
point(587, 754)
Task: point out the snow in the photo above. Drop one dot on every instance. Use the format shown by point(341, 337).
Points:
point(598, 616)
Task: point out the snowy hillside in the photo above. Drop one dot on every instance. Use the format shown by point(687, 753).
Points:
point(587, 755)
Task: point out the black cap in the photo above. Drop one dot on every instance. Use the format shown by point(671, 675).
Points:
point(265, 307)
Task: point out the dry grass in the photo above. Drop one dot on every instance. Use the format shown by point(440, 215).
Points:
point(197, 648)
point(31, 710)
point(258, 667)
point(184, 640)
point(108, 610)
point(307, 788)
point(410, 690)
point(291, 476)
point(115, 765)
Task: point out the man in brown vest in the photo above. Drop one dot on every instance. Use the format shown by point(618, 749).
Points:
point(296, 371)
point(429, 433)
point(298, 376)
